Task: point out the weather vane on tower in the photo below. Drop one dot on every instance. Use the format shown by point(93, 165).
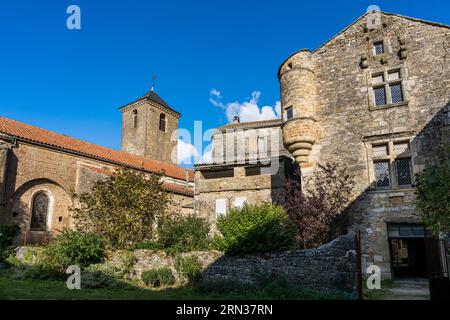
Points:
point(153, 82)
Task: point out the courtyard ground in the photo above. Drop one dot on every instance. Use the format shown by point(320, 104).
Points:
point(46, 289)
point(407, 289)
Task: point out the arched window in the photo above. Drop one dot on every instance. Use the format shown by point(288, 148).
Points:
point(39, 211)
point(162, 122)
point(135, 118)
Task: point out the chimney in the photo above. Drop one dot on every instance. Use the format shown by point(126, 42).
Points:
point(236, 119)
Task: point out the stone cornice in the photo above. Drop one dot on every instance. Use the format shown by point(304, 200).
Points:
point(150, 102)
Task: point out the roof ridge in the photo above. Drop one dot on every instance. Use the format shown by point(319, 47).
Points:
point(439, 24)
point(156, 98)
point(244, 123)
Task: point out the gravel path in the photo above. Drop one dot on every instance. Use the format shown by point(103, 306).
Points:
point(410, 289)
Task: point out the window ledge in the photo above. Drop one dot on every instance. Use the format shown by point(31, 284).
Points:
point(392, 190)
point(387, 106)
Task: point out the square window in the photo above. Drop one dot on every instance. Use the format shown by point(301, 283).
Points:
point(403, 168)
point(401, 147)
point(240, 202)
point(378, 47)
point(221, 207)
point(380, 96)
point(382, 174)
point(289, 113)
point(380, 150)
point(379, 78)
point(396, 93)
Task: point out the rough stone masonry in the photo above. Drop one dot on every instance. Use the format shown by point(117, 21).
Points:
point(374, 99)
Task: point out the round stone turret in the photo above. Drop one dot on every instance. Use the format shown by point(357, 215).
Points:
point(298, 100)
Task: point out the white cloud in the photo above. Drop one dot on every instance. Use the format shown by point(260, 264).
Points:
point(207, 157)
point(188, 153)
point(247, 110)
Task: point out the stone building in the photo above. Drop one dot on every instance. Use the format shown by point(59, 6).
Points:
point(147, 127)
point(249, 165)
point(40, 170)
point(375, 100)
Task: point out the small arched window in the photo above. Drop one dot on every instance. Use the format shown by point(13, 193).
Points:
point(39, 213)
point(162, 122)
point(135, 118)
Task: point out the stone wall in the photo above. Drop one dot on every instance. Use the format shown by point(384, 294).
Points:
point(59, 174)
point(331, 266)
point(349, 124)
point(255, 189)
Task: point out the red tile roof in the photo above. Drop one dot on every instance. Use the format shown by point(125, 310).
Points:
point(34, 134)
point(169, 186)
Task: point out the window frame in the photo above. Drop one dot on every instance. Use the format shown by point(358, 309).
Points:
point(224, 202)
point(163, 120)
point(383, 49)
point(387, 84)
point(392, 158)
point(47, 219)
point(135, 118)
point(289, 110)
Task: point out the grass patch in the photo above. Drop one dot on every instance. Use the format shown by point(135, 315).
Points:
point(50, 289)
point(380, 294)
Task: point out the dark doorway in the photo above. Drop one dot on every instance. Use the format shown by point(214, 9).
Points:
point(408, 257)
point(408, 253)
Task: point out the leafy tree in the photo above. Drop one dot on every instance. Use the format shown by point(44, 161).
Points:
point(433, 195)
point(122, 208)
point(318, 209)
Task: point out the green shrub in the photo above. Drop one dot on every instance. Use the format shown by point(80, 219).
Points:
point(158, 277)
point(433, 196)
point(8, 233)
point(109, 269)
point(255, 229)
point(72, 247)
point(179, 233)
point(148, 245)
point(189, 267)
point(97, 279)
point(35, 272)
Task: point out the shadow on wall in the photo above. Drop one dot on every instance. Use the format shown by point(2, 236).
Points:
point(374, 209)
point(329, 267)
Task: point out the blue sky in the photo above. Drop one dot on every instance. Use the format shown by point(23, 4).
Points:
point(73, 82)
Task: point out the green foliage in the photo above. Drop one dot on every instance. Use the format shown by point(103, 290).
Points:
point(98, 279)
point(71, 247)
point(147, 245)
point(433, 196)
point(122, 208)
point(189, 267)
point(8, 233)
point(158, 277)
point(107, 268)
point(255, 229)
point(178, 233)
point(120, 268)
point(35, 272)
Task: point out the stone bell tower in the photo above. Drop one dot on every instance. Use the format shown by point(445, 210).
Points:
point(147, 127)
point(298, 99)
